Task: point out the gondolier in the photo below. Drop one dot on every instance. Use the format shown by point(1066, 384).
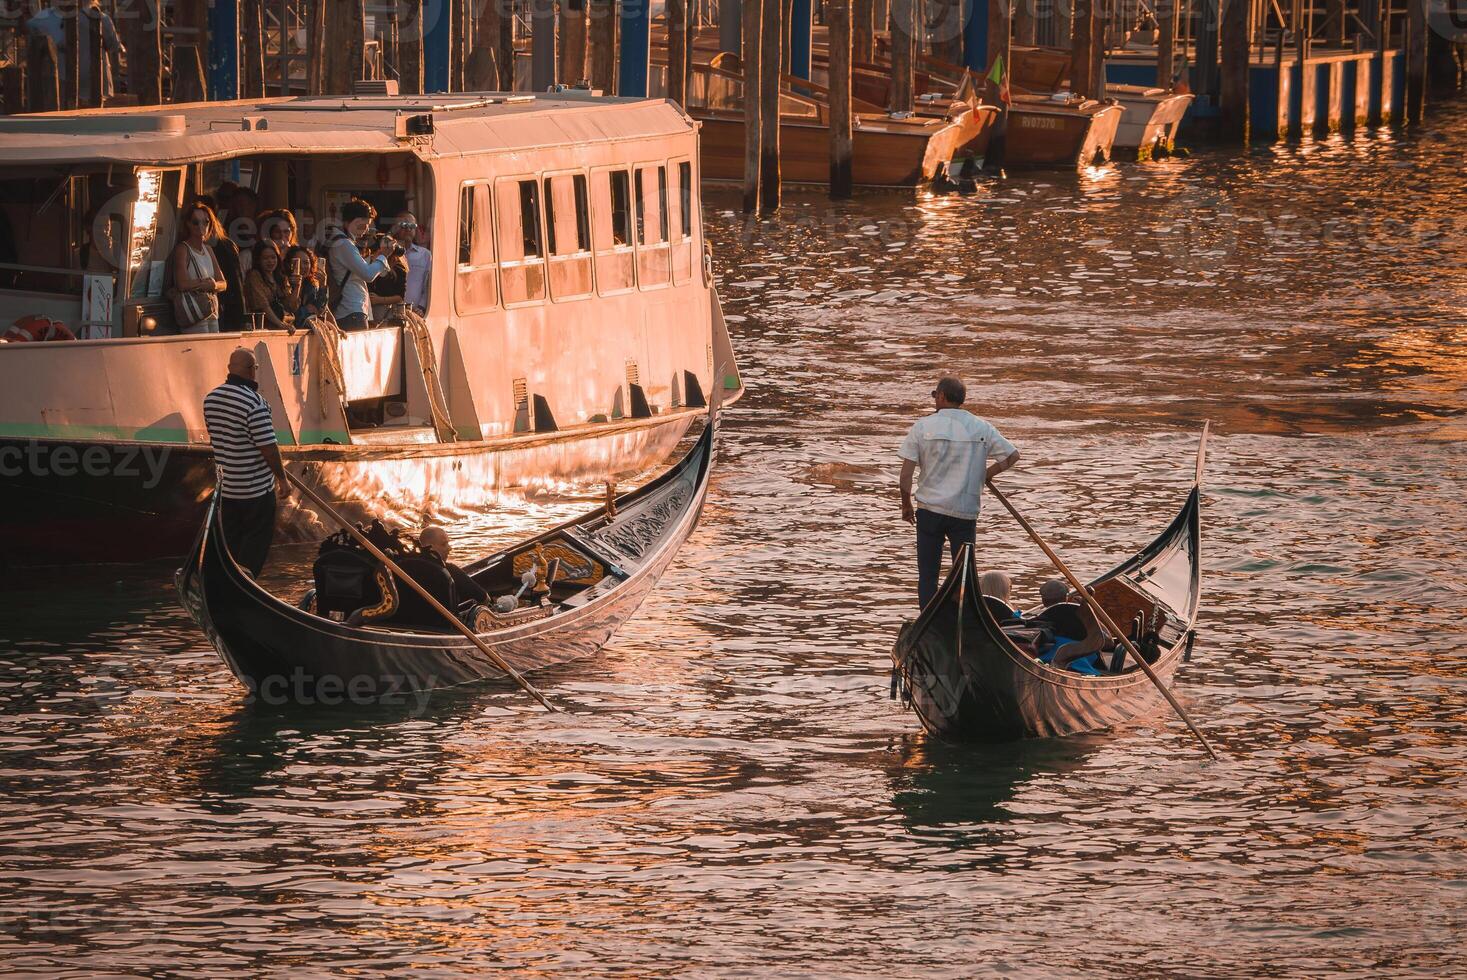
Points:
point(247, 461)
point(952, 447)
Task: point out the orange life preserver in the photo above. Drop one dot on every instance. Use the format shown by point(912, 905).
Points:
point(36, 327)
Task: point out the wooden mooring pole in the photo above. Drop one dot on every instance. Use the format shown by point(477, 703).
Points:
point(572, 41)
point(603, 45)
point(863, 13)
point(71, 79)
point(678, 51)
point(410, 47)
point(1166, 40)
point(252, 44)
point(1081, 34)
point(142, 33)
point(1236, 33)
point(770, 60)
point(753, 15)
point(838, 20)
point(1415, 60)
point(903, 49)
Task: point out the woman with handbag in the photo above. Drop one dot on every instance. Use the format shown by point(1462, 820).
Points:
point(197, 280)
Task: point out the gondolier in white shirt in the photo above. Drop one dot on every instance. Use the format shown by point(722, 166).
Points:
point(952, 447)
point(247, 461)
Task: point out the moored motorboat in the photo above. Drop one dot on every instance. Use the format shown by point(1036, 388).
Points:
point(1058, 131)
point(612, 558)
point(969, 677)
point(1152, 116)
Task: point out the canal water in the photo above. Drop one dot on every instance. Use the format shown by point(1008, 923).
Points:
point(730, 790)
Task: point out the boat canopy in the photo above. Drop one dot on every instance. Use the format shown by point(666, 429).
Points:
point(431, 126)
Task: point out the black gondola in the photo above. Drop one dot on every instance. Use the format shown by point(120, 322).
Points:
point(279, 650)
point(970, 678)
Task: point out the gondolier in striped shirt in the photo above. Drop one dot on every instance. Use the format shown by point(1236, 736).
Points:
point(247, 461)
point(952, 447)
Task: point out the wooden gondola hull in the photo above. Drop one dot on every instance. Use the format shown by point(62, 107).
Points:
point(966, 680)
point(281, 652)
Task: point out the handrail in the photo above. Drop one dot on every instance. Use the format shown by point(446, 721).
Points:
point(16, 267)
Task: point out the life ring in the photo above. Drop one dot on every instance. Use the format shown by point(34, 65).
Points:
point(36, 327)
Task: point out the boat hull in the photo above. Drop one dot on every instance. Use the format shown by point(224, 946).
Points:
point(1149, 126)
point(281, 653)
point(1041, 136)
point(901, 156)
point(68, 502)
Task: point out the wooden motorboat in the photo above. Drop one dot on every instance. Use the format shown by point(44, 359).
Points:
point(887, 151)
point(1058, 131)
point(280, 650)
point(968, 677)
point(1152, 117)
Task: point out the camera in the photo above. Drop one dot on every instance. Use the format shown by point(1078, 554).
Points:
point(372, 242)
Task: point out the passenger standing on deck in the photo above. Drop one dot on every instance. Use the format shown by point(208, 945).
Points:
point(196, 271)
point(952, 448)
point(247, 462)
point(349, 272)
point(419, 262)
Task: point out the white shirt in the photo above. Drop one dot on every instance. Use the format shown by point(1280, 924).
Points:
point(419, 264)
point(951, 449)
point(353, 272)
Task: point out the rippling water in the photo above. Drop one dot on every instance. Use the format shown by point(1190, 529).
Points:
point(731, 790)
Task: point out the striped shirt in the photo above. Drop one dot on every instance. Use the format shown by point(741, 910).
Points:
point(239, 422)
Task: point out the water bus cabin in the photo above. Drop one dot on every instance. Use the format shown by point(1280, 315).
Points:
point(572, 330)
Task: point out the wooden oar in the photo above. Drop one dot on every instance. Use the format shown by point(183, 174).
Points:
point(1103, 616)
point(392, 566)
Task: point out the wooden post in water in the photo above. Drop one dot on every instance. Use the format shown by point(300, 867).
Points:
point(770, 60)
point(252, 37)
point(410, 47)
point(43, 74)
point(1082, 29)
point(1234, 39)
point(1166, 39)
point(71, 93)
point(838, 20)
point(677, 51)
point(753, 15)
point(572, 41)
point(542, 45)
point(142, 32)
point(1415, 60)
point(603, 45)
point(903, 17)
point(1334, 18)
point(863, 13)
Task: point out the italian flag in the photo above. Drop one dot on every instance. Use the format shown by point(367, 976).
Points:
point(998, 75)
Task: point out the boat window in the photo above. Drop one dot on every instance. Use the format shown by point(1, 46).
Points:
point(476, 285)
point(653, 259)
point(568, 233)
point(611, 226)
point(151, 232)
point(682, 222)
point(521, 240)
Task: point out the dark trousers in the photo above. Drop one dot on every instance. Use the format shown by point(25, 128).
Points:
point(352, 321)
point(932, 531)
point(249, 527)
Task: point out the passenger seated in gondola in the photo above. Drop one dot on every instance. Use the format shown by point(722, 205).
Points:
point(1053, 592)
point(996, 587)
point(434, 541)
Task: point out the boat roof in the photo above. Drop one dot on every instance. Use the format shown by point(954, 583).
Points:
point(462, 123)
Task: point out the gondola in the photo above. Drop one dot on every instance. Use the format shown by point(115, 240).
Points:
point(970, 678)
point(605, 565)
